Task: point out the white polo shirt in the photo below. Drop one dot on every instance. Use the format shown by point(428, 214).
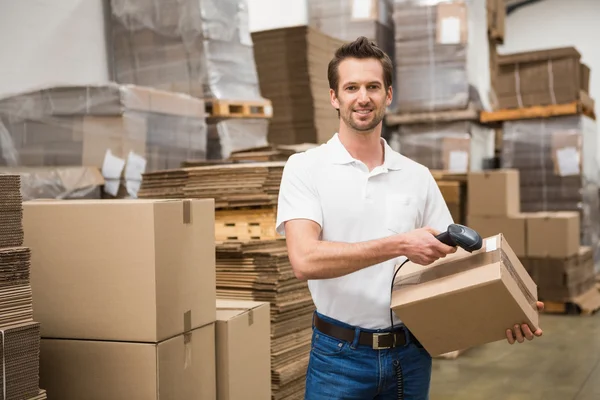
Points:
point(327, 185)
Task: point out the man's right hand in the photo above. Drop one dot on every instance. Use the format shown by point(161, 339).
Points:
point(421, 247)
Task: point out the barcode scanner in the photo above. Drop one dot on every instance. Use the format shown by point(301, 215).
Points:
point(456, 236)
point(461, 236)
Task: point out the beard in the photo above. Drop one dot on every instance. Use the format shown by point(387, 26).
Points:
point(352, 120)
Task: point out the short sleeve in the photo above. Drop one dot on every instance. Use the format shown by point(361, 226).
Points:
point(298, 197)
point(436, 215)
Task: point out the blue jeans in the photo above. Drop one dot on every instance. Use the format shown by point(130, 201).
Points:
point(341, 370)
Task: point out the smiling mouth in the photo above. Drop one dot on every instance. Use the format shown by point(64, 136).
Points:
point(362, 112)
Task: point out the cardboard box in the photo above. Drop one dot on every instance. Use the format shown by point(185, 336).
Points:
point(243, 332)
point(513, 228)
point(494, 193)
point(553, 234)
point(182, 367)
point(485, 292)
point(126, 270)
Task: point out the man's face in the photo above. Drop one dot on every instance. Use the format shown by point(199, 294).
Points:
point(361, 98)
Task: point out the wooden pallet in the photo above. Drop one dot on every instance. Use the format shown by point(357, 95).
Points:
point(553, 110)
point(586, 304)
point(217, 108)
point(249, 223)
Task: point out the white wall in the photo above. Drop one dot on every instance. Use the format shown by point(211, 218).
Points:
point(557, 23)
point(273, 14)
point(45, 42)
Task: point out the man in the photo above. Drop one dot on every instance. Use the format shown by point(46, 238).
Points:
point(350, 209)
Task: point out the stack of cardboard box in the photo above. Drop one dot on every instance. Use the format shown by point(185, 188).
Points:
point(20, 339)
point(547, 243)
point(125, 293)
point(441, 84)
point(556, 160)
point(541, 77)
point(292, 68)
point(122, 130)
point(200, 47)
point(347, 20)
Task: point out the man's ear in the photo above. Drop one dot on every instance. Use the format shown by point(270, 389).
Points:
point(390, 96)
point(334, 101)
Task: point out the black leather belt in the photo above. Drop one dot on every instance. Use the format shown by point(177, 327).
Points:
point(383, 340)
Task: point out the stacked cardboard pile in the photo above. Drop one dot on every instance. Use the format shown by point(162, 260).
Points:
point(20, 339)
point(292, 65)
point(431, 57)
point(542, 77)
point(260, 270)
point(548, 243)
point(454, 190)
point(199, 47)
point(556, 161)
point(135, 316)
point(124, 130)
point(231, 185)
point(347, 20)
point(456, 147)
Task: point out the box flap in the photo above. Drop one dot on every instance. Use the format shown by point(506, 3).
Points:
point(230, 309)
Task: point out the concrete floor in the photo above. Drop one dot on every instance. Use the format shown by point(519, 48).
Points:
point(564, 364)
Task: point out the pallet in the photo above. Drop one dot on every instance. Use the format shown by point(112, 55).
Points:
point(585, 304)
point(217, 108)
point(468, 114)
point(553, 110)
point(243, 224)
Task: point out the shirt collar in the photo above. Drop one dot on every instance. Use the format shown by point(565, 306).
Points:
point(339, 155)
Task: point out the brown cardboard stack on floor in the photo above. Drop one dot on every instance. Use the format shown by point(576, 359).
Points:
point(556, 159)
point(199, 47)
point(122, 130)
point(292, 69)
point(547, 243)
point(251, 264)
point(20, 332)
point(125, 293)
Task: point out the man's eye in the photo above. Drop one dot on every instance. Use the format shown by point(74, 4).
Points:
point(350, 88)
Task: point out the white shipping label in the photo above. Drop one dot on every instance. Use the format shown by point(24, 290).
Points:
point(490, 244)
point(568, 161)
point(136, 166)
point(112, 167)
point(459, 161)
point(450, 33)
point(361, 9)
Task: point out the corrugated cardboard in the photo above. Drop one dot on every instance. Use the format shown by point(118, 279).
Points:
point(553, 234)
point(129, 270)
point(179, 368)
point(243, 343)
point(512, 227)
point(541, 77)
point(494, 193)
point(484, 292)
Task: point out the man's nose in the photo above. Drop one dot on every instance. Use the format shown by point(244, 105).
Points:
point(363, 96)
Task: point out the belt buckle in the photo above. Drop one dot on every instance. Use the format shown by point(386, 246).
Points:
point(376, 337)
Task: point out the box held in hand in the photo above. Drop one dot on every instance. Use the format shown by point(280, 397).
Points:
point(466, 299)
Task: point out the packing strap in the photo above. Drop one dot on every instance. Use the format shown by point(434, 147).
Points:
point(429, 274)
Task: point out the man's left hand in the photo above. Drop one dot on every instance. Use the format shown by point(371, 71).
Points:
point(521, 332)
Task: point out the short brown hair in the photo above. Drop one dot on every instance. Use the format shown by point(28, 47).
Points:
point(360, 48)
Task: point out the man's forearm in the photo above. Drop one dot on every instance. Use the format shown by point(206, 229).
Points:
point(326, 260)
